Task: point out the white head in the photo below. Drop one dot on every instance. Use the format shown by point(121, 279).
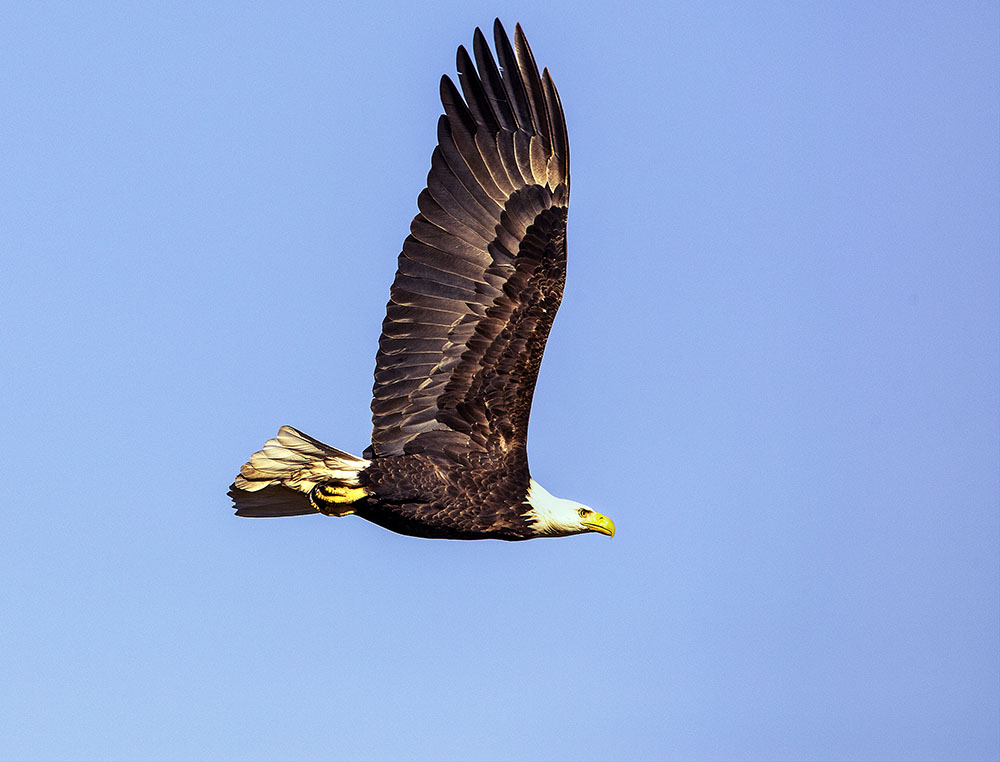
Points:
point(554, 516)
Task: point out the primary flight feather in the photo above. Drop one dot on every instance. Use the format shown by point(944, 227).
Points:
point(478, 284)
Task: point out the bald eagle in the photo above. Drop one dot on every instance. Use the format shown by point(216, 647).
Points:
point(478, 284)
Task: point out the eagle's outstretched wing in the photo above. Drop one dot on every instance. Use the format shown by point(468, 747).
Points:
point(481, 275)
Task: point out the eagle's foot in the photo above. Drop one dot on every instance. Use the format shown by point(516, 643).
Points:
point(334, 500)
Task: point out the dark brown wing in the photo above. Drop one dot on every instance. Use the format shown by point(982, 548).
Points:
point(481, 275)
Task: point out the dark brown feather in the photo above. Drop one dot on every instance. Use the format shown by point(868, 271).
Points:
point(481, 275)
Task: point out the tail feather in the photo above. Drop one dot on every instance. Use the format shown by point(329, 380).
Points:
point(279, 478)
point(270, 502)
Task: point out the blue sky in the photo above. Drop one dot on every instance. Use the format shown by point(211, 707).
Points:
point(776, 367)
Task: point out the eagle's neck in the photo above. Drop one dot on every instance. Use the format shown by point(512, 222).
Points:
point(551, 515)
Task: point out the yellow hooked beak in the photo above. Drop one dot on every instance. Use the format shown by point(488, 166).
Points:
point(598, 523)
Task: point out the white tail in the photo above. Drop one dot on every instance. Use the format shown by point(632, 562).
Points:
point(279, 479)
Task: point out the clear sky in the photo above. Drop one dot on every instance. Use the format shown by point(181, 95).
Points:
point(776, 368)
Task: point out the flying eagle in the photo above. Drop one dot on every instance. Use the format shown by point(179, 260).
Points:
point(479, 281)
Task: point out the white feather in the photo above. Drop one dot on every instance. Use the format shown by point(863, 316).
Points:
point(296, 462)
point(551, 515)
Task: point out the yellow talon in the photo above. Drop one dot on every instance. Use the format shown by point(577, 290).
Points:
point(329, 494)
point(332, 495)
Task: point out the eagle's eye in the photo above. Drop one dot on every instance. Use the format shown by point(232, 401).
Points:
point(583, 512)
